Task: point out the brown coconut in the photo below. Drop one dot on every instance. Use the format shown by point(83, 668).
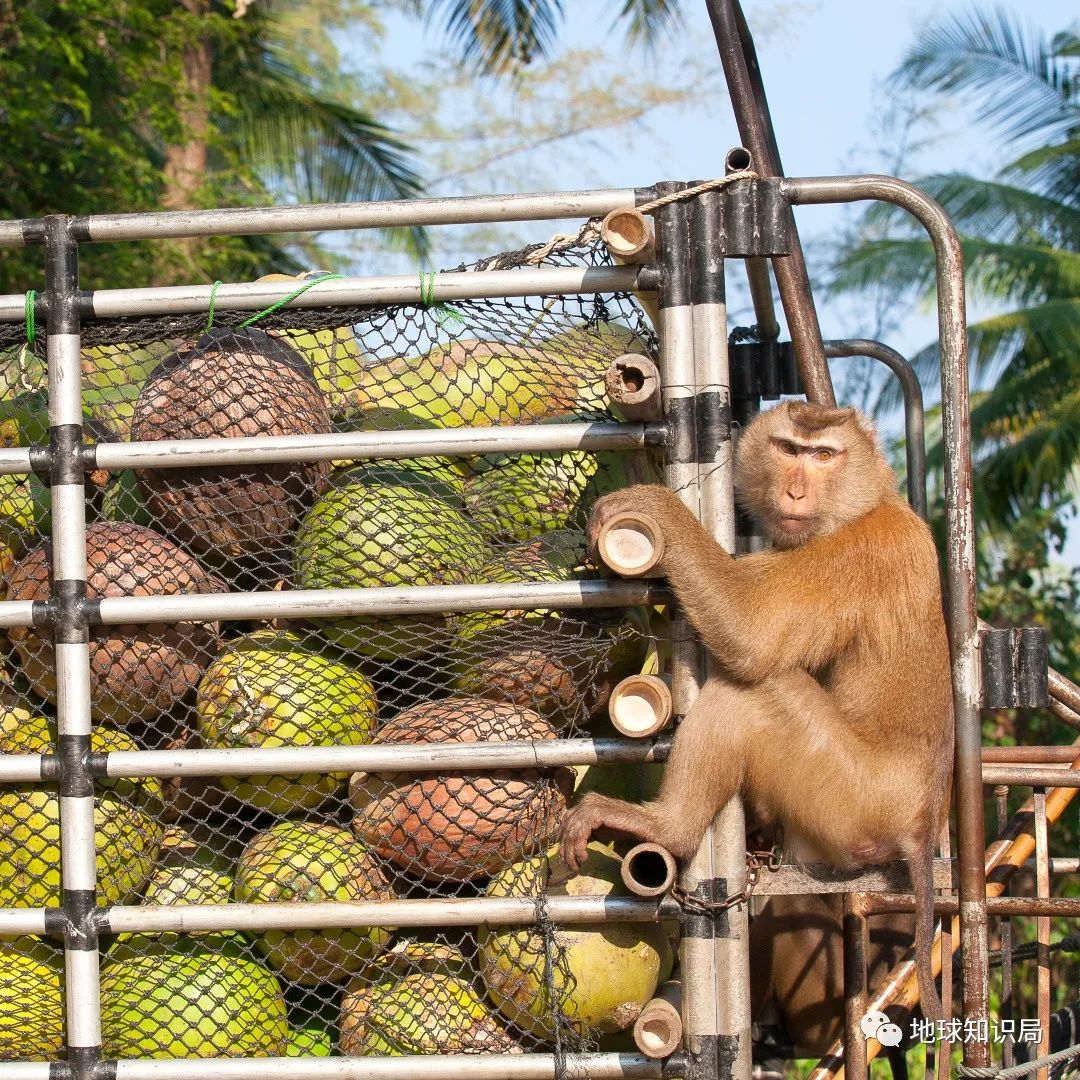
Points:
point(460, 826)
point(136, 671)
point(233, 383)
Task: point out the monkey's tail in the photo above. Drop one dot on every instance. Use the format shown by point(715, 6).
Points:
point(922, 881)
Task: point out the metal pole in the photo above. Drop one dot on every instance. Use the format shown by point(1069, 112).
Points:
point(71, 641)
point(354, 291)
point(435, 1067)
point(856, 948)
point(370, 445)
point(377, 758)
point(960, 555)
point(914, 411)
point(472, 911)
point(381, 600)
point(386, 214)
point(678, 376)
point(723, 848)
point(755, 131)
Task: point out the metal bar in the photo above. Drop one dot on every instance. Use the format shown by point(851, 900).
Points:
point(328, 217)
point(398, 600)
point(375, 291)
point(724, 844)
point(26, 1070)
point(1008, 1054)
point(402, 757)
point(914, 411)
point(1036, 755)
point(15, 461)
point(1063, 712)
point(374, 445)
point(471, 911)
point(1042, 927)
point(21, 768)
point(16, 613)
point(435, 1067)
point(856, 946)
point(1066, 691)
point(15, 921)
point(67, 574)
point(743, 78)
point(678, 384)
point(1064, 907)
point(1031, 775)
point(791, 880)
point(960, 556)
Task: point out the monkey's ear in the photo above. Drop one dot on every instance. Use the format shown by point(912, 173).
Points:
point(812, 417)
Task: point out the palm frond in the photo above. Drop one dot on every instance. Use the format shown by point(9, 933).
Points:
point(1020, 84)
point(496, 36)
point(646, 21)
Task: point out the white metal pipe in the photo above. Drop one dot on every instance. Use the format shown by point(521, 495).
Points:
point(16, 613)
point(24, 1070)
point(403, 600)
point(434, 1067)
point(20, 769)
point(375, 758)
point(384, 214)
point(350, 291)
point(471, 911)
point(15, 461)
point(14, 921)
point(351, 445)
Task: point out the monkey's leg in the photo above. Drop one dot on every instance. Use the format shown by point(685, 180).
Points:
point(703, 772)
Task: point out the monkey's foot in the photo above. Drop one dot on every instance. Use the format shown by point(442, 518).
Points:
point(578, 826)
point(650, 499)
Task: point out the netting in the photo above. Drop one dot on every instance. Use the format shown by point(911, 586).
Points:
point(426, 679)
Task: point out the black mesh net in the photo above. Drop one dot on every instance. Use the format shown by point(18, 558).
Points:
point(422, 679)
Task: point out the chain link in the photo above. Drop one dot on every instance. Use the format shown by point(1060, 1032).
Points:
point(756, 861)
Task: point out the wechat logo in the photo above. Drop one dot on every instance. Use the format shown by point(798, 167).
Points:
point(876, 1025)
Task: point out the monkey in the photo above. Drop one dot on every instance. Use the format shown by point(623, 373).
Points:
point(797, 965)
point(830, 705)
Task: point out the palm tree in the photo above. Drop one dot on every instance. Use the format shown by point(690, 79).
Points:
point(1020, 231)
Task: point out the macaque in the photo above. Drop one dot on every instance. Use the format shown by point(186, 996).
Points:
point(830, 706)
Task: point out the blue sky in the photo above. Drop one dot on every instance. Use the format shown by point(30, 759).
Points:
point(824, 66)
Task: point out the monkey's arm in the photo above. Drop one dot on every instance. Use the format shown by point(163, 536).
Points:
point(759, 614)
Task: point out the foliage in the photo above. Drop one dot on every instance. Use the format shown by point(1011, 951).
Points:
point(1020, 232)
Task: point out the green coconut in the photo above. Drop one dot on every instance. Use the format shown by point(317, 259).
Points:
point(384, 528)
point(602, 977)
point(473, 383)
point(126, 819)
point(297, 862)
point(521, 496)
point(443, 471)
point(187, 872)
point(311, 1040)
point(123, 500)
point(196, 1004)
point(422, 1013)
point(336, 358)
point(31, 1001)
point(271, 689)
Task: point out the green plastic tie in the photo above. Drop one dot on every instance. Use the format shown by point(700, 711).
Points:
point(28, 310)
point(285, 300)
point(210, 314)
point(445, 314)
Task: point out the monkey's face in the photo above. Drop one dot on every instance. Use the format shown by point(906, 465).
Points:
point(804, 470)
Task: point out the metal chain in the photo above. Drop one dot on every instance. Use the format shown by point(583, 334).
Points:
point(756, 861)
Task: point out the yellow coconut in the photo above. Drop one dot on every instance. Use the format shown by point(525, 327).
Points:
point(31, 1004)
point(602, 976)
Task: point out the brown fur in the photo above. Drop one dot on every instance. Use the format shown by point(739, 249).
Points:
point(831, 708)
point(797, 965)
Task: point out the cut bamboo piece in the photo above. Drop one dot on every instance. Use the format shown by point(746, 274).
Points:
point(640, 706)
point(630, 544)
point(648, 870)
point(658, 1030)
point(633, 385)
point(628, 237)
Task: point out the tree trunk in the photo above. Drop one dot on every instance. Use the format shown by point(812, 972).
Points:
point(185, 164)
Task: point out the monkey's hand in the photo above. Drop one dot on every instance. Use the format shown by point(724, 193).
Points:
point(579, 824)
point(652, 500)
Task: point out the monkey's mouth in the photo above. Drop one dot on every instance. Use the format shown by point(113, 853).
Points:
point(794, 522)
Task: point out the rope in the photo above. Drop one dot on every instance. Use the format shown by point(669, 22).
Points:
point(28, 311)
point(697, 189)
point(210, 313)
point(279, 304)
point(978, 1072)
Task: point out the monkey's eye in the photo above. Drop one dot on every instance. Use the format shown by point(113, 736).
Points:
point(823, 454)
